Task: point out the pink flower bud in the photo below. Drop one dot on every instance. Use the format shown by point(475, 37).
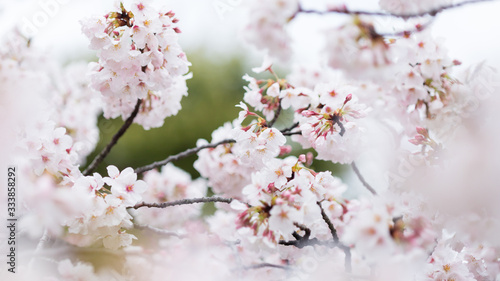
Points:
point(309, 157)
point(419, 138)
point(285, 149)
point(271, 188)
point(348, 98)
point(309, 113)
point(302, 158)
point(413, 141)
point(423, 132)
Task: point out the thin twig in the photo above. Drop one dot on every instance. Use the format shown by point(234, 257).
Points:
point(333, 231)
point(263, 265)
point(99, 158)
point(336, 119)
point(304, 242)
point(303, 228)
point(348, 258)
point(292, 133)
point(276, 115)
point(355, 168)
point(295, 125)
point(432, 12)
point(43, 241)
point(408, 32)
point(179, 156)
point(160, 231)
point(183, 202)
point(39, 247)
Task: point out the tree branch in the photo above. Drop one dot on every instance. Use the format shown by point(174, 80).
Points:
point(39, 247)
point(289, 129)
point(304, 242)
point(160, 231)
point(183, 202)
point(432, 12)
point(333, 231)
point(276, 115)
point(292, 133)
point(99, 158)
point(336, 120)
point(355, 168)
point(263, 265)
point(407, 32)
point(179, 156)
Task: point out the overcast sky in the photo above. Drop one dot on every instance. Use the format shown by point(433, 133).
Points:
point(471, 33)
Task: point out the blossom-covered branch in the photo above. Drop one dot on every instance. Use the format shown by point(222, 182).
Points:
point(408, 32)
point(431, 12)
point(183, 202)
point(363, 78)
point(99, 158)
point(179, 156)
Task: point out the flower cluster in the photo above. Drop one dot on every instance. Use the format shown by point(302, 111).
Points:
point(286, 218)
point(266, 26)
point(258, 143)
point(226, 173)
point(139, 59)
point(283, 198)
point(330, 126)
point(80, 106)
point(170, 185)
point(107, 218)
point(265, 98)
point(358, 50)
point(52, 151)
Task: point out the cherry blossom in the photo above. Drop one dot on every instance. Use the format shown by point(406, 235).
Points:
point(277, 216)
point(139, 59)
point(265, 28)
point(226, 173)
point(331, 128)
point(170, 185)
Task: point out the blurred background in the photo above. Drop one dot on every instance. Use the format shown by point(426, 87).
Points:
point(210, 36)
